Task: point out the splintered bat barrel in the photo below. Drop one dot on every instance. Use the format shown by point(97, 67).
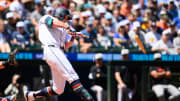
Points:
point(140, 44)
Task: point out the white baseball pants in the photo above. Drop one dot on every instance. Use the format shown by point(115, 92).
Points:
point(61, 68)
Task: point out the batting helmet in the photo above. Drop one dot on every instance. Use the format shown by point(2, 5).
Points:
point(60, 13)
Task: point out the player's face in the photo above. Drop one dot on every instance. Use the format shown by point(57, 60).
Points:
point(99, 61)
point(66, 19)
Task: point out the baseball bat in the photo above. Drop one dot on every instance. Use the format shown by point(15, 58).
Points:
point(140, 44)
point(77, 34)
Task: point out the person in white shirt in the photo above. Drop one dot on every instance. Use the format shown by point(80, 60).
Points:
point(136, 31)
point(176, 42)
point(152, 37)
point(164, 44)
point(102, 37)
point(17, 7)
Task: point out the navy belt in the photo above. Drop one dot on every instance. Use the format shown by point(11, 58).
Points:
point(55, 46)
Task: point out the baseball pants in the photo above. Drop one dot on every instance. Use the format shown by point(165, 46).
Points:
point(172, 90)
point(61, 68)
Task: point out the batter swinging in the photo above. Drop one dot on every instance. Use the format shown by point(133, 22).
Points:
point(53, 36)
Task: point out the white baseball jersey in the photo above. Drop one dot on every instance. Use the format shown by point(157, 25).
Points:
point(51, 36)
point(61, 68)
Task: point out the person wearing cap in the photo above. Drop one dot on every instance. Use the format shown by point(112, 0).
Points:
point(172, 30)
point(121, 39)
point(127, 25)
point(87, 43)
point(153, 36)
point(75, 23)
point(126, 78)
point(136, 30)
point(164, 44)
point(49, 11)
point(5, 37)
point(35, 17)
point(148, 13)
point(176, 42)
point(136, 10)
point(108, 24)
point(98, 75)
point(20, 37)
point(11, 22)
point(161, 81)
point(163, 23)
point(87, 6)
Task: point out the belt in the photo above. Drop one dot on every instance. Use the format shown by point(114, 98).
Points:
point(55, 46)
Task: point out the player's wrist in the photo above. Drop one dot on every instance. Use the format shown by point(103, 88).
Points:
point(72, 38)
point(68, 27)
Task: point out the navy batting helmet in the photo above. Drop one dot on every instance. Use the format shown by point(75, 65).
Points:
point(60, 13)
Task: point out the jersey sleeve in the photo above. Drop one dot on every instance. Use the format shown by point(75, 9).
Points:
point(47, 19)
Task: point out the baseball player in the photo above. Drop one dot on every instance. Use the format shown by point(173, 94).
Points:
point(10, 62)
point(54, 36)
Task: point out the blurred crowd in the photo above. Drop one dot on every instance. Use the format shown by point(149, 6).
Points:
point(109, 23)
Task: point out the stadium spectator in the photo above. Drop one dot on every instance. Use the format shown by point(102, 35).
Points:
point(17, 7)
point(161, 81)
point(85, 15)
point(11, 22)
point(87, 43)
point(172, 10)
point(126, 78)
point(163, 23)
point(4, 38)
point(108, 24)
point(55, 4)
point(136, 11)
point(35, 17)
point(152, 37)
point(75, 23)
point(136, 31)
point(98, 75)
point(20, 37)
point(4, 5)
point(72, 8)
point(125, 9)
point(176, 42)
point(49, 11)
point(120, 38)
point(116, 16)
point(127, 25)
point(163, 44)
point(131, 18)
point(65, 4)
point(103, 38)
point(172, 30)
point(145, 24)
point(148, 14)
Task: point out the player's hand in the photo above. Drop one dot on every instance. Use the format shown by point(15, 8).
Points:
point(98, 75)
point(122, 85)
